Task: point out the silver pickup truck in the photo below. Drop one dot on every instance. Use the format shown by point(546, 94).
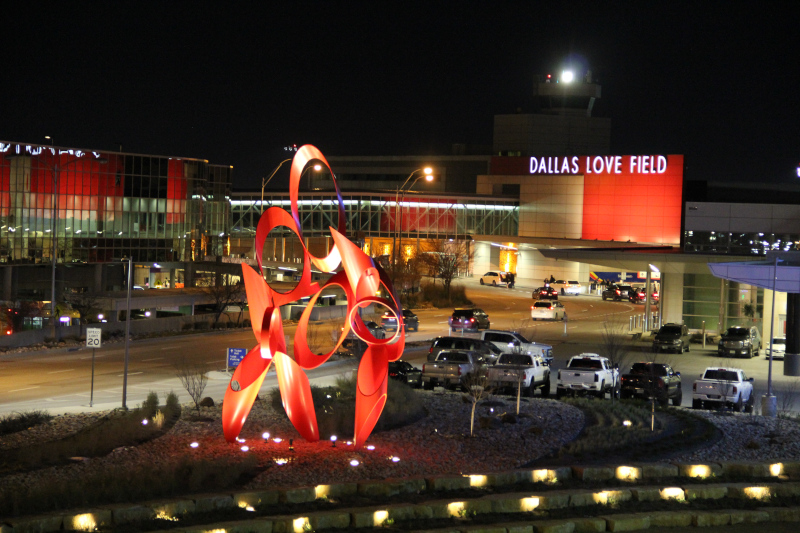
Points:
point(588, 373)
point(724, 387)
point(520, 370)
point(450, 369)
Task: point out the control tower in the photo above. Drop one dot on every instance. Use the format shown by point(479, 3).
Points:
point(560, 124)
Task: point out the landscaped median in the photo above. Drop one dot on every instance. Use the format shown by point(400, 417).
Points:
point(565, 499)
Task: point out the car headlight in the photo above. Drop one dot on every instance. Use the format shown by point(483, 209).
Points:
point(676, 341)
point(746, 342)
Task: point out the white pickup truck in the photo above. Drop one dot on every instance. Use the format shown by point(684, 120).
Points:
point(723, 387)
point(588, 373)
point(512, 342)
point(513, 370)
point(450, 368)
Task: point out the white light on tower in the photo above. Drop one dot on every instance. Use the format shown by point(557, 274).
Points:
point(567, 76)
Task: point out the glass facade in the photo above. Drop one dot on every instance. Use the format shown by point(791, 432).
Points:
point(718, 242)
point(380, 216)
point(720, 303)
point(109, 206)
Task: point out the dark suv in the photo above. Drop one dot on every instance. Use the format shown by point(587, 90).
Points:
point(485, 349)
point(739, 340)
point(469, 319)
point(672, 338)
point(410, 321)
point(617, 292)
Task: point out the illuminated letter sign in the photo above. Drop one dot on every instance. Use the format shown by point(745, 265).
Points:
point(600, 164)
point(360, 278)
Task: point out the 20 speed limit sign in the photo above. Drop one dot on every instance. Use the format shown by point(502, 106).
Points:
point(93, 337)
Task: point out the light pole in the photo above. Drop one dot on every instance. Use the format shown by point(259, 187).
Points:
point(56, 169)
point(428, 174)
point(264, 181)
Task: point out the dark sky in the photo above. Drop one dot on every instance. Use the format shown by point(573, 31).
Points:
point(717, 81)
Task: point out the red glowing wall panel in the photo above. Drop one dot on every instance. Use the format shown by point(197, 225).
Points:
point(634, 206)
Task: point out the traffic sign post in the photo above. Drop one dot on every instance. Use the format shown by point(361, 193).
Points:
point(235, 356)
point(94, 340)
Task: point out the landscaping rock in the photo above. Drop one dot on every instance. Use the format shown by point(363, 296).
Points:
point(36, 524)
point(298, 495)
point(627, 522)
point(711, 518)
point(658, 470)
point(743, 516)
point(256, 498)
point(207, 402)
point(671, 519)
point(589, 525)
point(124, 513)
point(213, 502)
point(554, 526)
point(489, 422)
point(705, 492)
point(782, 514)
point(593, 473)
point(508, 418)
point(329, 520)
point(448, 482)
point(748, 469)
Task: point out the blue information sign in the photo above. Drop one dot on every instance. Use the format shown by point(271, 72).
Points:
point(235, 356)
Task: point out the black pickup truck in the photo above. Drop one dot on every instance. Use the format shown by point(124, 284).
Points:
point(652, 380)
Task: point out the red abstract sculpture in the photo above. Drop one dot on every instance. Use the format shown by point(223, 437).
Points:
point(360, 278)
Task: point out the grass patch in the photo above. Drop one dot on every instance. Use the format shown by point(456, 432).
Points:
point(125, 484)
point(21, 421)
point(119, 428)
point(621, 430)
point(336, 406)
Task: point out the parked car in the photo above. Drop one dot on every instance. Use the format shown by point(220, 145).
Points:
point(588, 373)
point(494, 278)
point(410, 321)
point(405, 372)
point(450, 369)
point(470, 318)
point(722, 387)
point(617, 292)
point(566, 287)
point(352, 342)
point(652, 380)
point(523, 371)
point(778, 348)
point(513, 342)
point(485, 349)
point(740, 341)
point(639, 296)
point(672, 338)
point(545, 293)
point(548, 311)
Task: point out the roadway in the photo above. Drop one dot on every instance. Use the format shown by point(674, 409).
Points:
point(60, 380)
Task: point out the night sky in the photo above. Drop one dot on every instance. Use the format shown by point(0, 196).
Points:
point(716, 81)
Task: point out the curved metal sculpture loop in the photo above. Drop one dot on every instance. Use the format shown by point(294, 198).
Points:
point(359, 277)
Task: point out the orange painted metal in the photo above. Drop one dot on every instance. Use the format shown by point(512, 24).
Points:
point(360, 278)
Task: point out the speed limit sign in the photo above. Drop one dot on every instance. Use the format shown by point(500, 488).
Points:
point(93, 337)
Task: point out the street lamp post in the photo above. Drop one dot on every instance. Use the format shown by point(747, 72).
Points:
point(264, 181)
point(428, 174)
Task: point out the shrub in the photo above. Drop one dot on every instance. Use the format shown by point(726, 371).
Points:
point(187, 327)
point(150, 405)
point(22, 421)
point(172, 403)
point(435, 295)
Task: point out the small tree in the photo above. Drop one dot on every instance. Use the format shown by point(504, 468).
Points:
point(446, 259)
point(85, 303)
point(615, 347)
point(224, 294)
point(476, 385)
point(193, 378)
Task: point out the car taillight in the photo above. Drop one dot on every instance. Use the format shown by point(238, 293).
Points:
point(550, 308)
point(459, 370)
point(392, 373)
point(694, 387)
point(431, 350)
point(660, 384)
point(423, 368)
point(617, 291)
point(735, 390)
point(472, 320)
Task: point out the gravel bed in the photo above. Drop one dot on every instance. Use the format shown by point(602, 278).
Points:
point(58, 427)
point(748, 438)
point(437, 444)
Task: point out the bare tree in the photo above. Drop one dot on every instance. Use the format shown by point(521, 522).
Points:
point(614, 345)
point(85, 303)
point(224, 294)
point(446, 259)
point(193, 378)
point(476, 385)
